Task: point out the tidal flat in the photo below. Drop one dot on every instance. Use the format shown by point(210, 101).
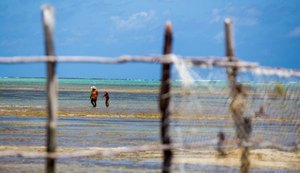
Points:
point(80, 133)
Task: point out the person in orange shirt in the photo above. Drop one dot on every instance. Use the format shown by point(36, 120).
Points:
point(94, 96)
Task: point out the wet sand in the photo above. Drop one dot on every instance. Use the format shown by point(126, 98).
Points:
point(108, 132)
point(29, 112)
point(260, 159)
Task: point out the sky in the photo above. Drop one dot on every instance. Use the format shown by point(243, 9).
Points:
point(265, 31)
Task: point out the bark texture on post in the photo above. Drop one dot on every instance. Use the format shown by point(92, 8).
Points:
point(237, 105)
point(164, 99)
point(48, 26)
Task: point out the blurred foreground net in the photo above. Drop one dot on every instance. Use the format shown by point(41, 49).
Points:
point(200, 114)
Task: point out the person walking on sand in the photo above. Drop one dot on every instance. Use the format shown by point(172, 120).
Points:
point(106, 95)
point(94, 96)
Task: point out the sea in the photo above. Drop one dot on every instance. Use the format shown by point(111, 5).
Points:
point(198, 113)
point(74, 95)
point(127, 96)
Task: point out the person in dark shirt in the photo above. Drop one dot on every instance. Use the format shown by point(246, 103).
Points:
point(106, 96)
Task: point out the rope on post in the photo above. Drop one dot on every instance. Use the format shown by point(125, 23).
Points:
point(164, 99)
point(237, 105)
point(48, 26)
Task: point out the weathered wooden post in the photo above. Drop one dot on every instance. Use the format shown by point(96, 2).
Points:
point(48, 26)
point(237, 105)
point(164, 99)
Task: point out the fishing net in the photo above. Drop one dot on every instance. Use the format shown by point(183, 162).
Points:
point(203, 125)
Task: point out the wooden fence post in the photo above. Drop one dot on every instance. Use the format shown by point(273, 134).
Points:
point(237, 105)
point(48, 26)
point(164, 99)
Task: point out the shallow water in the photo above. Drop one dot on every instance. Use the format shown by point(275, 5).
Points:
point(141, 96)
point(108, 132)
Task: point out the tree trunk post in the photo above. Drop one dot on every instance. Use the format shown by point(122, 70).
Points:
point(164, 100)
point(237, 105)
point(48, 26)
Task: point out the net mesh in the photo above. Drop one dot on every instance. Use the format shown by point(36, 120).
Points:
point(201, 117)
